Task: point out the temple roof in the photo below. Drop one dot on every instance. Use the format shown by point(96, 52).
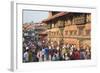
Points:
point(55, 16)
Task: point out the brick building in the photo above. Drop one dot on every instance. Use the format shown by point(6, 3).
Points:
point(69, 28)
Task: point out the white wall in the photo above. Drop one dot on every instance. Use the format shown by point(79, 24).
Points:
point(5, 34)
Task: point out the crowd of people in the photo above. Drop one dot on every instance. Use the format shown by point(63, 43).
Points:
point(33, 52)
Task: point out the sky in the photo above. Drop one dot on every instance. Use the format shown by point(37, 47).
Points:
point(35, 16)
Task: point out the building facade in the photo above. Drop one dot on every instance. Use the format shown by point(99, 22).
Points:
point(69, 28)
point(34, 31)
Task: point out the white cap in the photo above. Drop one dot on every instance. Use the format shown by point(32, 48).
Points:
point(57, 48)
point(49, 47)
point(27, 48)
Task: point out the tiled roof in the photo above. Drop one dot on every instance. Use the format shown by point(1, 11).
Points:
point(55, 16)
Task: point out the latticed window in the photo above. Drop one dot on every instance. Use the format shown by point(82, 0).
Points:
point(60, 24)
point(49, 33)
point(88, 32)
point(66, 32)
point(53, 25)
point(80, 31)
point(88, 18)
point(71, 32)
point(79, 19)
point(49, 26)
point(75, 32)
point(68, 22)
point(57, 33)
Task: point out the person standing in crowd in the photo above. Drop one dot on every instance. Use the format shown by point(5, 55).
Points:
point(75, 54)
point(39, 55)
point(66, 53)
point(34, 55)
point(54, 54)
point(26, 56)
point(30, 55)
point(63, 51)
point(70, 52)
point(39, 45)
point(57, 48)
point(82, 53)
point(88, 53)
point(60, 53)
point(43, 54)
point(46, 52)
point(57, 56)
point(50, 53)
